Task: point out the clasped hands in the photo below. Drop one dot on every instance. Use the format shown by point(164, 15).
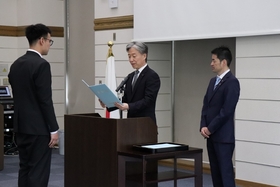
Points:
point(205, 132)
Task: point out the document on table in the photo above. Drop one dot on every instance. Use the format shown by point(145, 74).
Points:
point(160, 146)
point(104, 94)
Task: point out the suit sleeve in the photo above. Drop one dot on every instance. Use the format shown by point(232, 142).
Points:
point(44, 95)
point(204, 109)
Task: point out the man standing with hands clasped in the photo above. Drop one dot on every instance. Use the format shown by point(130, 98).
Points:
point(35, 123)
point(217, 118)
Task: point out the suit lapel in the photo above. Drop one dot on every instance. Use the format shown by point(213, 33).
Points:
point(224, 79)
point(139, 79)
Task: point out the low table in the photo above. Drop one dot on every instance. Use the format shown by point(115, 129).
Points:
point(149, 178)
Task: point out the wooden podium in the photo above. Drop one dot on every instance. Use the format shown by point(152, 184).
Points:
point(91, 145)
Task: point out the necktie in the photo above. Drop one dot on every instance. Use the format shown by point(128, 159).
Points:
point(218, 79)
point(135, 78)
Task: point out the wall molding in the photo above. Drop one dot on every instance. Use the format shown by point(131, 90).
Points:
point(120, 22)
point(18, 31)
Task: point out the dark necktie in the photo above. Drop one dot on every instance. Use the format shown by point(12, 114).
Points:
point(135, 78)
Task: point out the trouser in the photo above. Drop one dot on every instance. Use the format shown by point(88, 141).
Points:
point(220, 157)
point(35, 160)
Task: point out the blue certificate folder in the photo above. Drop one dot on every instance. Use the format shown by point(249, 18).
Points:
point(104, 94)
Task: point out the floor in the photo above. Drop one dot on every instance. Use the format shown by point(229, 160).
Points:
point(8, 176)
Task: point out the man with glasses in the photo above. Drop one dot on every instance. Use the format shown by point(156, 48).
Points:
point(35, 122)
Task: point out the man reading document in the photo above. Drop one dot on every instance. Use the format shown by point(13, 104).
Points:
point(142, 85)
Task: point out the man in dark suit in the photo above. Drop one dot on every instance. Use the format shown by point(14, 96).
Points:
point(35, 123)
point(217, 118)
point(142, 88)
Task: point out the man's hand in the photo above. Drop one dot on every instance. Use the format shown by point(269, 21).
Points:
point(54, 140)
point(122, 106)
point(205, 132)
point(101, 103)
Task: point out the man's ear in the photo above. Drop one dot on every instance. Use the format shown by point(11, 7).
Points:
point(41, 41)
point(224, 61)
point(145, 56)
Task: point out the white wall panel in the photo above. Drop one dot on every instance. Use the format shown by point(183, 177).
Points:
point(8, 55)
point(258, 110)
point(123, 36)
point(60, 121)
point(164, 134)
point(58, 96)
point(257, 114)
point(58, 83)
point(119, 51)
point(8, 12)
point(163, 102)
point(159, 51)
point(164, 118)
point(100, 67)
point(258, 153)
point(164, 20)
point(102, 9)
point(22, 42)
point(165, 86)
point(264, 67)
point(56, 55)
point(96, 81)
point(258, 173)
point(59, 42)
point(8, 42)
point(264, 89)
point(58, 69)
point(49, 12)
point(258, 46)
point(257, 131)
point(162, 67)
point(123, 68)
point(59, 109)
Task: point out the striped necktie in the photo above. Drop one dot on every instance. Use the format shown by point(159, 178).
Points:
point(135, 78)
point(218, 79)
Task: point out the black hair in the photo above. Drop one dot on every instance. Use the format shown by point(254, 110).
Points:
point(223, 53)
point(35, 32)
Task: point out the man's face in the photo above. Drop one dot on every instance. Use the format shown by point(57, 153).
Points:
point(136, 59)
point(217, 65)
point(46, 45)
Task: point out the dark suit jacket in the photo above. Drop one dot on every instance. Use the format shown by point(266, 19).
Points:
point(142, 99)
point(219, 107)
point(30, 78)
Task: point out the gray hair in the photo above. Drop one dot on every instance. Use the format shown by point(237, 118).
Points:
point(141, 47)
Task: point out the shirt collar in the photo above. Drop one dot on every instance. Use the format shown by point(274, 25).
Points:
point(141, 69)
point(223, 74)
point(35, 52)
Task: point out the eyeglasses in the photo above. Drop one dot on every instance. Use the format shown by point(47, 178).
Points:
point(51, 41)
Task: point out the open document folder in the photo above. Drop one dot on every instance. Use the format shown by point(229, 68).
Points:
point(104, 94)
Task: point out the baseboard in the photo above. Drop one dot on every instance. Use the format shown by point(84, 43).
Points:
point(189, 165)
point(243, 183)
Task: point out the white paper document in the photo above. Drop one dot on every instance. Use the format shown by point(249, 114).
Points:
point(160, 146)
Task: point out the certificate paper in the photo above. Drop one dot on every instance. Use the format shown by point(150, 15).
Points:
point(104, 94)
point(160, 146)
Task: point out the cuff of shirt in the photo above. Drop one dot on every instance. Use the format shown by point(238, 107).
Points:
point(54, 132)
